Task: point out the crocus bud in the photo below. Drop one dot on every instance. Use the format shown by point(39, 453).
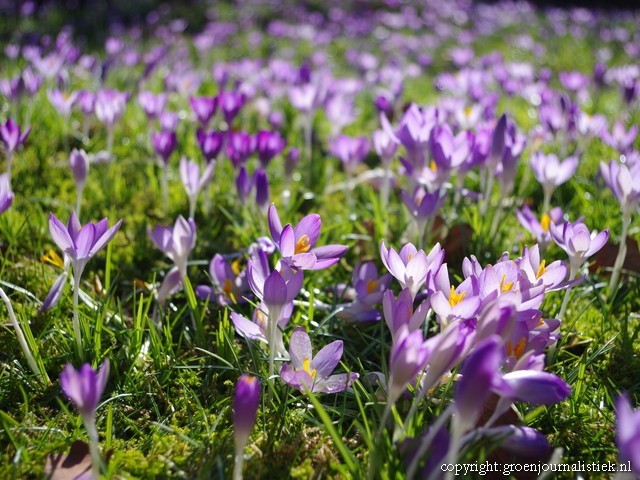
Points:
point(79, 162)
point(628, 433)
point(84, 387)
point(243, 184)
point(291, 160)
point(478, 374)
point(245, 408)
point(261, 182)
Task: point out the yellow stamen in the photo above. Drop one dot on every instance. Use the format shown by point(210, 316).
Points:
point(544, 222)
point(409, 257)
point(371, 285)
point(303, 245)
point(433, 166)
point(467, 111)
point(227, 287)
point(306, 365)
point(53, 258)
point(518, 350)
point(455, 298)
point(505, 287)
point(541, 270)
point(541, 322)
point(235, 266)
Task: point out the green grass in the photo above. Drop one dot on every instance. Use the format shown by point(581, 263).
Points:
point(167, 411)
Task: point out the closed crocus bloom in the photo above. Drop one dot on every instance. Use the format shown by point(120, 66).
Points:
point(268, 145)
point(619, 138)
point(399, 312)
point(409, 355)
point(164, 143)
point(520, 440)
point(537, 388)
point(203, 108)
point(79, 162)
point(194, 181)
point(6, 195)
point(477, 378)
point(210, 143)
point(261, 181)
point(84, 387)
point(245, 408)
point(624, 182)
point(628, 433)
point(110, 106)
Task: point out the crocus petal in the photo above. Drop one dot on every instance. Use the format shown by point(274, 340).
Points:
point(55, 293)
point(275, 226)
point(537, 388)
point(61, 236)
point(84, 241)
point(598, 242)
point(309, 226)
point(247, 328)
point(105, 238)
point(335, 383)
point(300, 348)
point(327, 359)
point(287, 241)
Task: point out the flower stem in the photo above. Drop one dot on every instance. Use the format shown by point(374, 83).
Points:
point(622, 253)
point(373, 456)
point(76, 317)
point(165, 188)
point(237, 468)
point(22, 340)
point(487, 194)
point(78, 202)
point(426, 443)
point(96, 461)
point(9, 163)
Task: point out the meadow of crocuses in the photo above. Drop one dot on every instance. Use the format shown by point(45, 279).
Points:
point(320, 240)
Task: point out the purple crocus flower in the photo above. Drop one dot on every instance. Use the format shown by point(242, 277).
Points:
point(6, 195)
point(268, 145)
point(246, 401)
point(368, 289)
point(624, 182)
point(63, 102)
point(314, 373)
point(168, 121)
point(210, 143)
point(578, 242)
point(230, 283)
point(175, 242)
point(110, 106)
point(411, 267)
point(12, 135)
point(477, 378)
point(240, 146)
point(539, 228)
point(79, 163)
point(409, 355)
point(261, 182)
point(628, 433)
point(399, 312)
point(153, 105)
point(84, 387)
point(422, 205)
point(203, 108)
point(194, 181)
point(297, 244)
point(619, 138)
point(230, 103)
point(349, 150)
point(81, 242)
point(551, 173)
point(164, 143)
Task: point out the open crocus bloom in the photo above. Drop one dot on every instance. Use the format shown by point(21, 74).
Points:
point(297, 244)
point(314, 373)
